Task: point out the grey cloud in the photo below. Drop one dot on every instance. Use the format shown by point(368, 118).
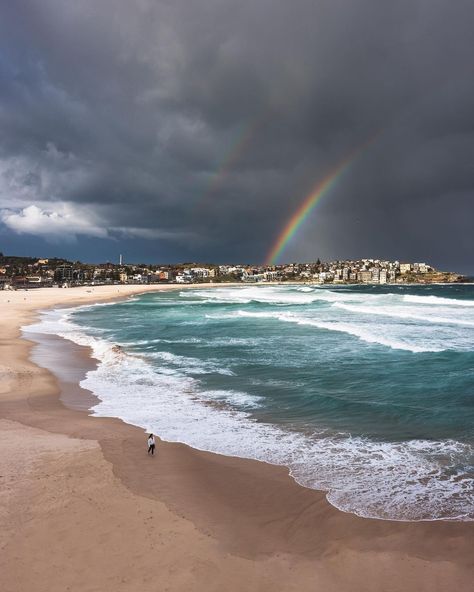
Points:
point(179, 120)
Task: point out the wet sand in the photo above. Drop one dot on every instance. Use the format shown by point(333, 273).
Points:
point(82, 506)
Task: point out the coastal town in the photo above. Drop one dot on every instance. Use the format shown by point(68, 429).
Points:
point(30, 272)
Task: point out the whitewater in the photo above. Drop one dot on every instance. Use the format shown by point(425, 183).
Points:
point(366, 393)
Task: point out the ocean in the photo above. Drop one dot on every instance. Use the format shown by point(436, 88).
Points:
point(364, 392)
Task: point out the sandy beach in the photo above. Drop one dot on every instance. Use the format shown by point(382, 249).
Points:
point(83, 508)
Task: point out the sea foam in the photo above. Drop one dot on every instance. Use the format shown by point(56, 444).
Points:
point(437, 300)
point(362, 332)
point(410, 480)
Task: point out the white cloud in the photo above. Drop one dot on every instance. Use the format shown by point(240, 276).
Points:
point(36, 198)
point(152, 233)
point(65, 223)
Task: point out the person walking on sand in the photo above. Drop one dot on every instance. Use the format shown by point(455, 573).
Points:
point(151, 444)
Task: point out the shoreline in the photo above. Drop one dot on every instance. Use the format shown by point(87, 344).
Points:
point(245, 523)
point(77, 397)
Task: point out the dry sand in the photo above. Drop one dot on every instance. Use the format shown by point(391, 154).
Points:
point(83, 508)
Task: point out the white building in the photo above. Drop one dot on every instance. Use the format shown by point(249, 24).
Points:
point(421, 267)
point(405, 268)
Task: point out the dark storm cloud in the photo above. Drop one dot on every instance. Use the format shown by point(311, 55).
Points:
point(116, 117)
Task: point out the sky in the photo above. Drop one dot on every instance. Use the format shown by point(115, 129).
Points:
point(178, 130)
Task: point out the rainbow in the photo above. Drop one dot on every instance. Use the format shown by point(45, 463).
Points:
point(234, 154)
point(237, 148)
point(306, 207)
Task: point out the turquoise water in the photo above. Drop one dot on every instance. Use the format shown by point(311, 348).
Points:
point(365, 392)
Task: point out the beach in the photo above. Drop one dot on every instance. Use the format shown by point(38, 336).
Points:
point(84, 508)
